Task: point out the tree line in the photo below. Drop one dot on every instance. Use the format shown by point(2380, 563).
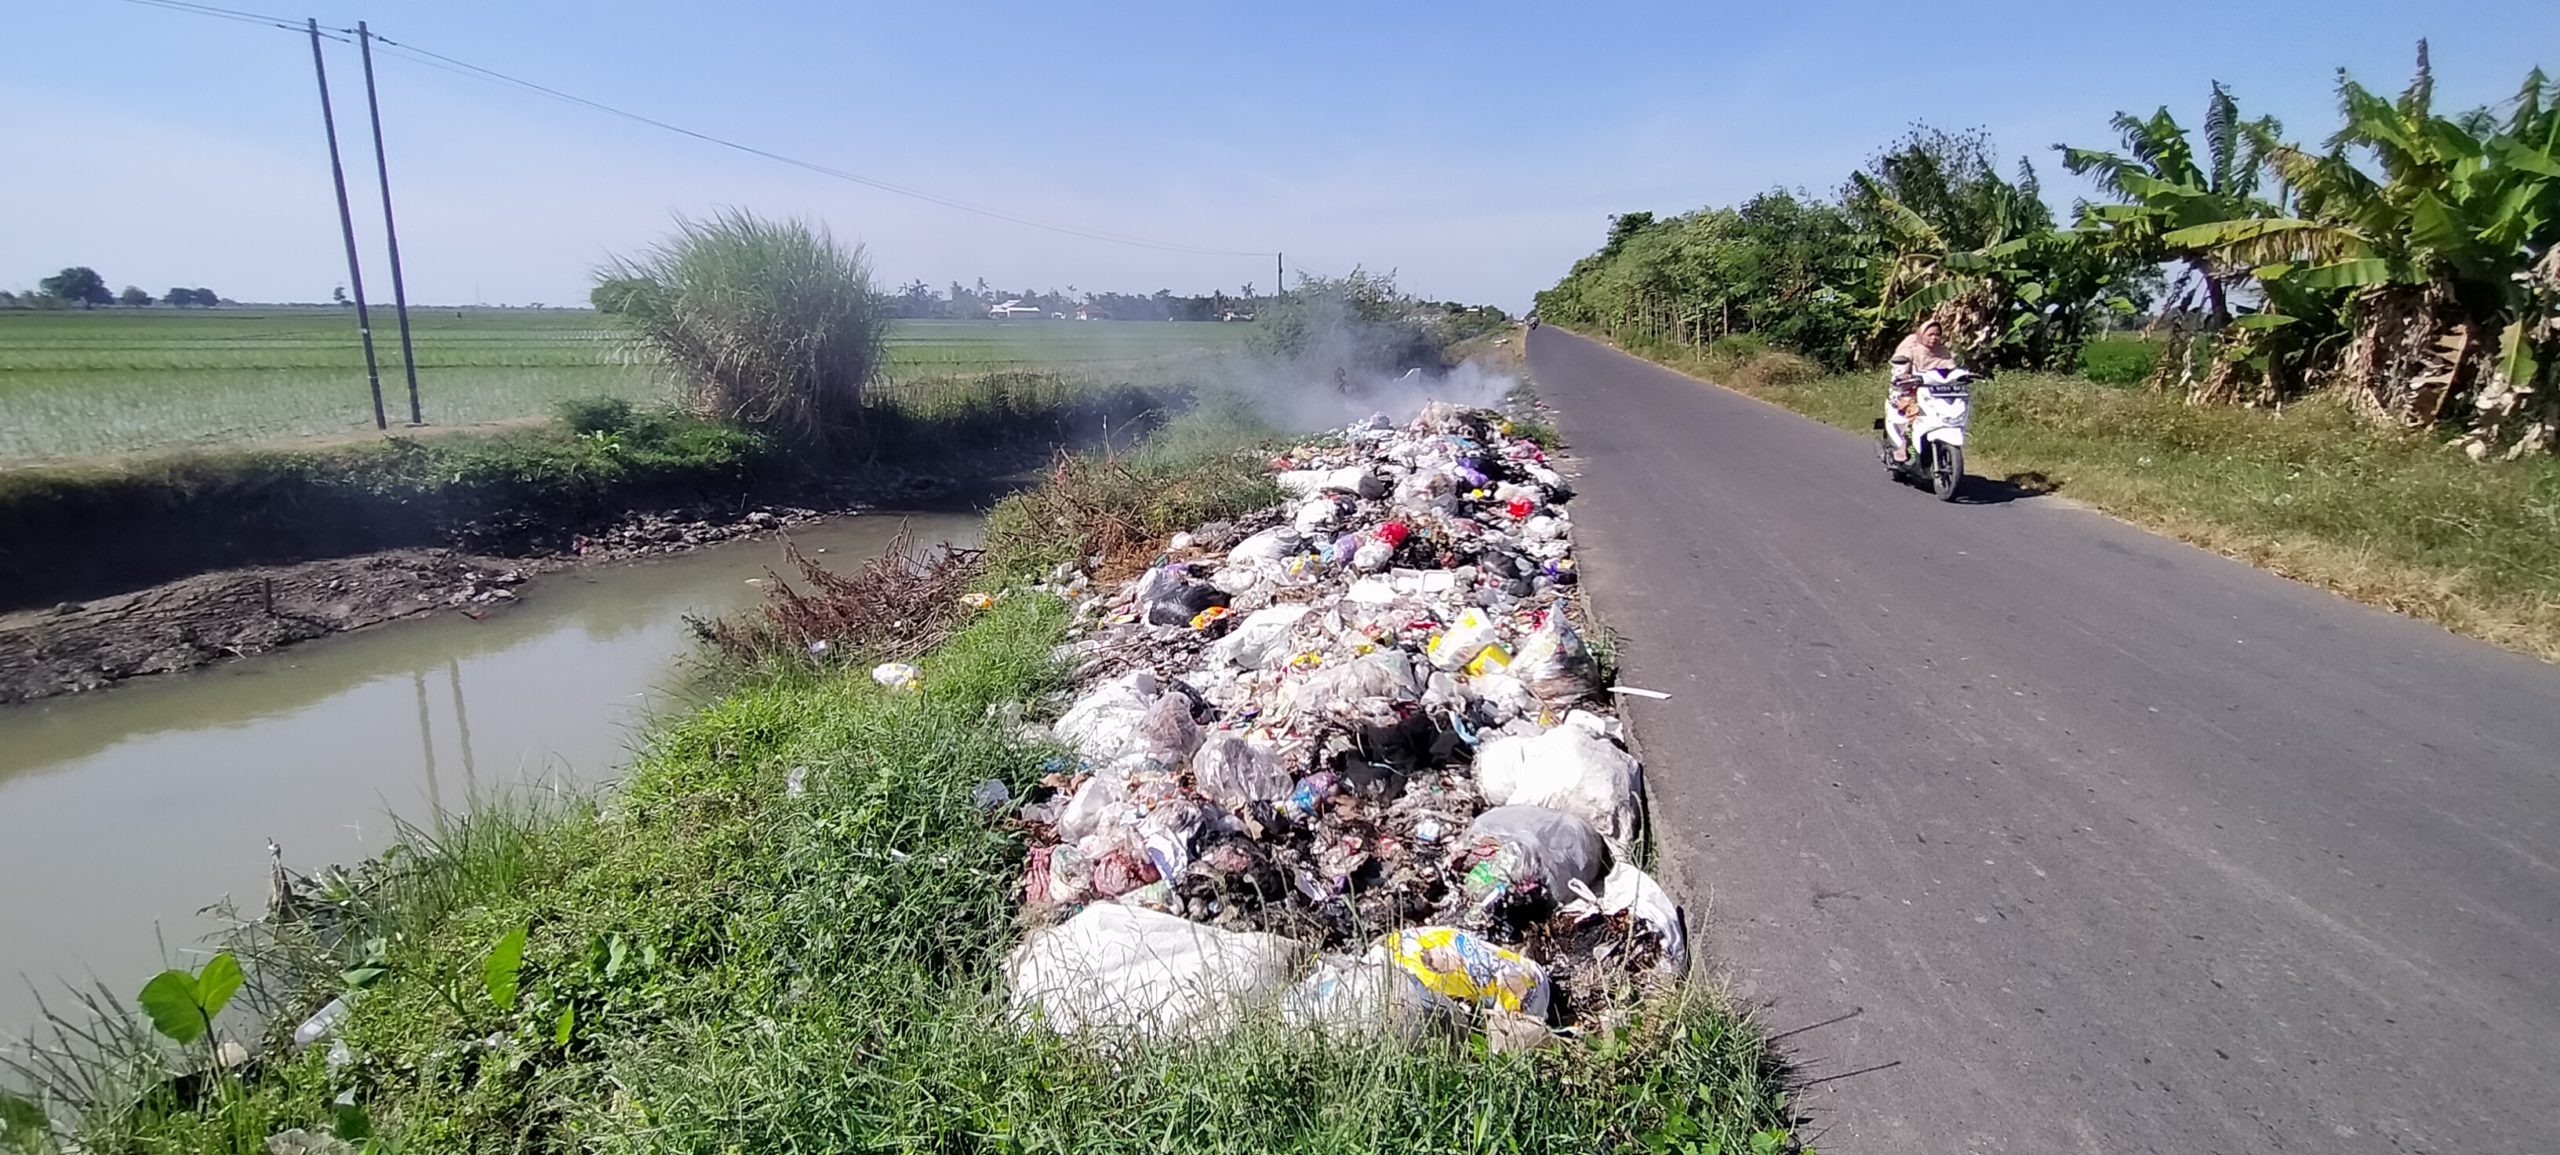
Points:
point(81, 285)
point(2407, 260)
point(918, 300)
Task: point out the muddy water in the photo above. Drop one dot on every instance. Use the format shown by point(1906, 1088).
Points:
point(124, 813)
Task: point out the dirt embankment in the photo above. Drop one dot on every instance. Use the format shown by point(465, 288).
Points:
point(233, 613)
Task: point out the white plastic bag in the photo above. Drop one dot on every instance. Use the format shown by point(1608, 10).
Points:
point(1383, 674)
point(1463, 640)
point(1532, 844)
point(1096, 806)
point(1300, 482)
point(1232, 772)
point(1265, 548)
point(1570, 769)
point(1630, 890)
point(1103, 724)
point(1258, 639)
point(1554, 663)
point(1356, 480)
point(1122, 968)
point(1369, 993)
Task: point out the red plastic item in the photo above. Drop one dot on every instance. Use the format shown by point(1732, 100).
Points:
point(1522, 507)
point(1393, 533)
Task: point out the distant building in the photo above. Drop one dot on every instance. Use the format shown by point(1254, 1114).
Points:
point(1012, 310)
point(1092, 313)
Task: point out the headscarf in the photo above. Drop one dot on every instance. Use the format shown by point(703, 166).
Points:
point(1916, 349)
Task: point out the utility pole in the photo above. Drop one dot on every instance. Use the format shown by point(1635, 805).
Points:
point(390, 231)
point(347, 226)
point(1279, 274)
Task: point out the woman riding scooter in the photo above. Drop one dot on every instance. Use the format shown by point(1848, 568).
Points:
point(1925, 349)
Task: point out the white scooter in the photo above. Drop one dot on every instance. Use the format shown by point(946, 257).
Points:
point(1937, 434)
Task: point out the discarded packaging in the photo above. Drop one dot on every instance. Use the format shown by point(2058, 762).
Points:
point(1463, 966)
point(1568, 769)
point(896, 675)
point(1121, 968)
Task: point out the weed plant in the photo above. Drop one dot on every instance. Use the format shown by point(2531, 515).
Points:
point(768, 324)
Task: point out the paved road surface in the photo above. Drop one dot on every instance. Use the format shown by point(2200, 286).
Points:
point(2047, 835)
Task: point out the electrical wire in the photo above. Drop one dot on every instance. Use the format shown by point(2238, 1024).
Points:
point(438, 60)
point(233, 14)
point(442, 62)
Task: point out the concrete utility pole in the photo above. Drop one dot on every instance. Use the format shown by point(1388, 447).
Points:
point(1279, 274)
point(347, 226)
point(390, 230)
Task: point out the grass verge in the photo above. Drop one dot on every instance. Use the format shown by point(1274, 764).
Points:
point(716, 959)
point(2404, 523)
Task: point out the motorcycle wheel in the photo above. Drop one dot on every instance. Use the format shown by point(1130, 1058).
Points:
point(1946, 471)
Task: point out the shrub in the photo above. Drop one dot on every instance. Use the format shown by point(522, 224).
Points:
point(594, 414)
point(1356, 322)
point(770, 324)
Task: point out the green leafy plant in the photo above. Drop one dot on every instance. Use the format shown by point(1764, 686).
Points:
point(182, 1005)
point(501, 969)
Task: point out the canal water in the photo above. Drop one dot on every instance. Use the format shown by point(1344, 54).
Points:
point(125, 813)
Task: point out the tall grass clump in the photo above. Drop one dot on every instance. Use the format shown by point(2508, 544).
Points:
point(770, 324)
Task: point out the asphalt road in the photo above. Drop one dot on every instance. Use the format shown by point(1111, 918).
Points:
point(2034, 832)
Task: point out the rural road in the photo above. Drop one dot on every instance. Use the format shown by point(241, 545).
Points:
point(2033, 832)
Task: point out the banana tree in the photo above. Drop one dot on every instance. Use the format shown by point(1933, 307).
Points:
point(2023, 301)
point(2431, 259)
point(2160, 189)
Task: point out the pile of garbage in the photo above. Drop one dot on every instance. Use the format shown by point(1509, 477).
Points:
point(1348, 759)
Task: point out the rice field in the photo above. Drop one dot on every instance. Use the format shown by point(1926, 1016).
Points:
point(80, 384)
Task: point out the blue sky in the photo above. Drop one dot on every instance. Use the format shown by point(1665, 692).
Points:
point(1477, 149)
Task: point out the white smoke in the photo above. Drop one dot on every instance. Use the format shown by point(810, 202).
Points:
point(1337, 376)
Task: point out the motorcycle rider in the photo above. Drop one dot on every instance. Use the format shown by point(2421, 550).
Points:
point(1925, 349)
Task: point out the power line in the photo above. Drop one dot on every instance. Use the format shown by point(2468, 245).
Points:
point(441, 62)
point(231, 14)
point(438, 60)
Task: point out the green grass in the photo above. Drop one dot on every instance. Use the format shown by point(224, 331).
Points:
point(82, 383)
point(740, 969)
point(2406, 523)
point(2120, 359)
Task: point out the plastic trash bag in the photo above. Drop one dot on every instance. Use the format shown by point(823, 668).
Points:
point(1166, 733)
point(1259, 640)
point(1314, 514)
point(1516, 846)
point(1266, 547)
point(1096, 806)
point(1502, 697)
point(1554, 664)
point(1464, 638)
point(896, 675)
point(1231, 772)
point(1632, 891)
point(1167, 596)
point(1384, 674)
point(1117, 967)
point(1369, 993)
point(1569, 769)
point(1463, 966)
point(1102, 725)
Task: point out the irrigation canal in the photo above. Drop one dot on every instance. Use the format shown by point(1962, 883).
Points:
point(125, 813)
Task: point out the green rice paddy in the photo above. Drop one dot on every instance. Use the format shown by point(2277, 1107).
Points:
point(87, 383)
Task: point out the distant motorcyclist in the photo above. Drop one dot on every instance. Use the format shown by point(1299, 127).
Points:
point(1925, 349)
